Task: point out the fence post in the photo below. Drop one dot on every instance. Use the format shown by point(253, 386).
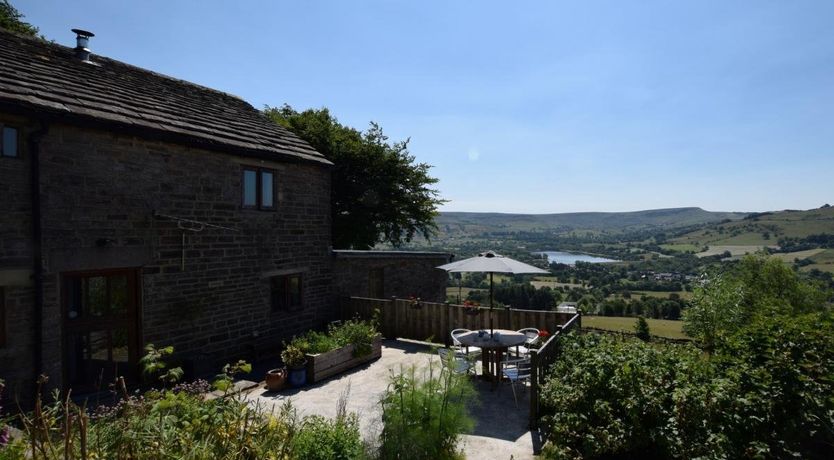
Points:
point(446, 324)
point(396, 324)
point(534, 389)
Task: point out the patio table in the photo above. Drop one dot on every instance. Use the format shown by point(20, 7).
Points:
point(493, 347)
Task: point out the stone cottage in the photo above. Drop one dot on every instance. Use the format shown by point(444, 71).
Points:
point(138, 208)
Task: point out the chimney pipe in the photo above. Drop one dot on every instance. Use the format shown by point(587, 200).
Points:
point(82, 39)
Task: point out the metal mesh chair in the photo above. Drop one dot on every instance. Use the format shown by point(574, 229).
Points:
point(523, 351)
point(453, 361)
point(517, 373)
point(472, 352)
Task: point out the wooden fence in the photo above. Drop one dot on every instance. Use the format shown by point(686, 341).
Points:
point(541, 360)
point(430, 321)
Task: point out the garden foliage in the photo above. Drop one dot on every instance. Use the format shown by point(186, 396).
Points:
point(424, 415)
point(179, 423)
point(356, 332)
point(764, 390)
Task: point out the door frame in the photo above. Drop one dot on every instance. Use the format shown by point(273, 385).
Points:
point(133, 319)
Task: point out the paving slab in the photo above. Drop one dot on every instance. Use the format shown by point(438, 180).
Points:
point(501, 425)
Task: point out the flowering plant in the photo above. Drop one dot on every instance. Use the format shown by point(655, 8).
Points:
point(541, 339)
point(470, 306)
point(4, 430)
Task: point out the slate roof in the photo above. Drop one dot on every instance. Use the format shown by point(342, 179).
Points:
point(48, 79)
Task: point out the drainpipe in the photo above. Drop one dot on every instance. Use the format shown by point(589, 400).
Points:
point(37, 232)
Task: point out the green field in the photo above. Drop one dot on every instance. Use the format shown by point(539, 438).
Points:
point(790, 257)
point(549, 281)
point(734, 250)
point(762, 230)
point(823, 261)
point(682, 247)
point(658, 327)
point(658, 294)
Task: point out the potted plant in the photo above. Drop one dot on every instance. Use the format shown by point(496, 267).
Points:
point(471, 308)
point(296, 363)
point(276, 379)
point(540, 340)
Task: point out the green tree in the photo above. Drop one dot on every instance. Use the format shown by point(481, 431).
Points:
point(11, 19)
point(379, 192)
point(757, 286)
point(641, 328)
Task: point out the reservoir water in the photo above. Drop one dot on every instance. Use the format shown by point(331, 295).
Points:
point(571, 258)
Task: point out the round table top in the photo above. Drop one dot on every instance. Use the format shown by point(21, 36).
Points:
point(500, 339)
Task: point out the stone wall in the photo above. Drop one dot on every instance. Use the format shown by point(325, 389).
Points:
point(17, 353)
point(404, 273)
point(100, 194)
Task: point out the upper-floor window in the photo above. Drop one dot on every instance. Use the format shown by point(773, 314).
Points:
point(258, 188)
point(9, 144)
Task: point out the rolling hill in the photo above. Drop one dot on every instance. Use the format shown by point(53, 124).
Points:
point(476, 223)
point(766, 229)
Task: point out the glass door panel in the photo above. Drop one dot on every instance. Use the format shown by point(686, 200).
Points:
point(101, 326)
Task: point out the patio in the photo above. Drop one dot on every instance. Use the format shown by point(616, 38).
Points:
point(501, 428)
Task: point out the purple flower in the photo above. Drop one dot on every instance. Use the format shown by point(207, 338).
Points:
point(4, 430)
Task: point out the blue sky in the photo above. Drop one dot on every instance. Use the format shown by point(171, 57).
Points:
point(524, 106)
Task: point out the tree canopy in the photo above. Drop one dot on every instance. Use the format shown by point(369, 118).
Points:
point(758, 286)
point(11, 19)
point(379, 193)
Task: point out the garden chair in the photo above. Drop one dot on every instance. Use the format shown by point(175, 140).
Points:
point(532, 334)
point(471, 352)
point(517, 373)
point(454, 361)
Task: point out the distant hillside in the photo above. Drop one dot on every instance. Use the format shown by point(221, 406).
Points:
point(763, 229)
point(477, 223)
point(786, 230)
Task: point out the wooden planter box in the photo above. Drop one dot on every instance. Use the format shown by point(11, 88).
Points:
point(323, 365)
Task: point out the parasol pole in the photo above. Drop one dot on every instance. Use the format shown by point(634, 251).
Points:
point(491, 331)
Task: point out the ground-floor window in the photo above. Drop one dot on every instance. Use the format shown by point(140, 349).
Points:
point(286, 292)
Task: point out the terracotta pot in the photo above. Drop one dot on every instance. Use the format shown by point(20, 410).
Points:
point(276, 379)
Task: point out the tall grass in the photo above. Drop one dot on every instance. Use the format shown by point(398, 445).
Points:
point(424, 413)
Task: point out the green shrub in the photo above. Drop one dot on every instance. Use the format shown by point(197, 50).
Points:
point(766, 392)
point(612, 396)
point(782, 369)
point(424, 415)
point(154, 366)
point(355, 332)
point(329, 439)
